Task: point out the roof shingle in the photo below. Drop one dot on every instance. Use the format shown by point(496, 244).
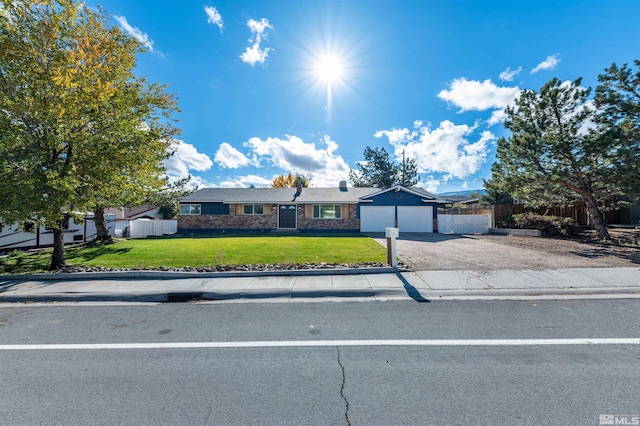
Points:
point(278, 195)
point(288, 195)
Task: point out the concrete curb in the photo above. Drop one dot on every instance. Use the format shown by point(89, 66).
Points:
point(69, 276)
point(355, 293)
point(85, 297)
point(187, 296)
point(534, 292)
point(383, 282)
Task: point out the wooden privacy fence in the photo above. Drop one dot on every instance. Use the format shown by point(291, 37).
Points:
point(578, 213)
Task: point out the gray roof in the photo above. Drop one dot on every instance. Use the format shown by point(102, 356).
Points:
point(459, 199)
point(278, 195)
point(421, 192)
point(288, 195)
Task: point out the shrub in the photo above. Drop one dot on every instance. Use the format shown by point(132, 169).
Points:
point(17, 254)
point(548, 225)
point(506, 221)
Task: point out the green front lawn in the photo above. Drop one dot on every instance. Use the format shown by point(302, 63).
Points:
point(207, 251)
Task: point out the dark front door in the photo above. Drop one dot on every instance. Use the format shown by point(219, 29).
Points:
point(287, 217)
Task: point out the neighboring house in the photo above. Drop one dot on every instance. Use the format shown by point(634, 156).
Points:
point(125, 215)
point(78, 231)
point(139, 212)
point(309, 209)
point(461, 199)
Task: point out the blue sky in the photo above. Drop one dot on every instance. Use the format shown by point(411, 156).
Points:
point(271, 87)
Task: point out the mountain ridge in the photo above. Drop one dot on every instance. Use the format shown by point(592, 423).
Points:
point(462, 193)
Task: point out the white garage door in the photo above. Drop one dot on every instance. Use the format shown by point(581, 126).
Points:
point(375, 219)
point(415, 219)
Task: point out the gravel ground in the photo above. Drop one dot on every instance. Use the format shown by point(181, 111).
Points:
point(438, 252)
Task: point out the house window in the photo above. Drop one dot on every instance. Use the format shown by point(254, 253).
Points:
point(253, 209)
point(189, 209)
point(0, 226)
point(327, 211)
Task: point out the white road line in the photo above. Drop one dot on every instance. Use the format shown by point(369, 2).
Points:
point(322, 343)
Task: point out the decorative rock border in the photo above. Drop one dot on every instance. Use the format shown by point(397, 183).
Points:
point(520, 232)
point(228, 268)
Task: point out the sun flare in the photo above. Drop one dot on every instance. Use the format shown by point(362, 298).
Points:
point(329, 69)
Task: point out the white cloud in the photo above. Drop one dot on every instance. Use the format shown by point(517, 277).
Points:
point(194, 182)
point(397, 136)
point(213, 16)
point(230, 158)
point(430, 184)
point(254, 53)
point(442, 150)
point(548, 64)
point(497, 116)
point(509, 74)
point(136, 33)
point(292, 154)
point(186, 157)
point(473, 95)
point(589, 124)
point(245, 181)
point(259, 27)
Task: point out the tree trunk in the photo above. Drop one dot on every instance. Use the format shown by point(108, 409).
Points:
point(57, 258)
point(597, 221)
point(102, 231)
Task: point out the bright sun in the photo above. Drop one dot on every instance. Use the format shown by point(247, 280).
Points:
point(329, 69)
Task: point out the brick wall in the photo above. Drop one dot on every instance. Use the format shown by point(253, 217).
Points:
point(231, 221)
point(347, 222)
point(269, 220)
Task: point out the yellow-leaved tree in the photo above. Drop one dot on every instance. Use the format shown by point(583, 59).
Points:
point(289, 181)
point(80, 131)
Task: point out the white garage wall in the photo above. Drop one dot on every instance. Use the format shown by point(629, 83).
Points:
point(415, 218)
point(375, 219)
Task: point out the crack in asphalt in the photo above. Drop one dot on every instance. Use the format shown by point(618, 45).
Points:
point(346, 411)
point(6, 319)
point(208, 415)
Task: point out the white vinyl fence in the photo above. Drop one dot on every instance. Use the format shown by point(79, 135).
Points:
point(143, 228)
point(464, 223)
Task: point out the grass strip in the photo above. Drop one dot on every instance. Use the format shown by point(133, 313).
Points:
point(205, 252)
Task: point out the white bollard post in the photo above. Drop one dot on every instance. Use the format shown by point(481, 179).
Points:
point(391, 234)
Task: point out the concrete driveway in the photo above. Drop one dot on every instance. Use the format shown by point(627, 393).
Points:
point(441, 252)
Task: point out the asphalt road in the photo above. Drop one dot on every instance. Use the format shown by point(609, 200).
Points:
point(337, 380)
